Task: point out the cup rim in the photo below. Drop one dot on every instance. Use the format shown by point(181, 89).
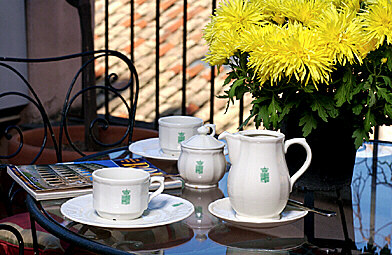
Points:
point(163, 121)
point(142, 179)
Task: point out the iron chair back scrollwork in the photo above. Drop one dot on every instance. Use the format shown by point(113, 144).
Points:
point(101, 123)
point(132, 84)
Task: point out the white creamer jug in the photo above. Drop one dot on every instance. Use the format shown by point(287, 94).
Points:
point(259, 183)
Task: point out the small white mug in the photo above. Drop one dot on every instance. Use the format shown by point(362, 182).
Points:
point(121, 193)
point(175, 129)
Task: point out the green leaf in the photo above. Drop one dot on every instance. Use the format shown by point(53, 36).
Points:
point(309, 123)
point(232, 91)
point(367, 83)
point(320, 110)
point(371, 99)
point(243, 60)
point(387, 80)
point(357, 109)
point(370, 81)
point(286, 108)
point(345, 92)
point(388, 110)
point(258, 121)
point(360, 87)
point(369, 121)
point(384, 93)
point(240, 91)
point(247, 120)
point(229, 78)
point(309, 88)
point(333, 112)
point(325, 107)
point(359, 135)
point(274, 109)
point(260, 100)
point(388, 54)
point(263, 116)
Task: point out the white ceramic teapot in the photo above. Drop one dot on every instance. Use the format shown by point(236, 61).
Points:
point(259, 184)
point(202, 162)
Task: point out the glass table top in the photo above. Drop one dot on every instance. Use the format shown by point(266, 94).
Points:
point(363, 222)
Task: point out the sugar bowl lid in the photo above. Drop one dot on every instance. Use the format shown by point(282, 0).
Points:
point(203, 140)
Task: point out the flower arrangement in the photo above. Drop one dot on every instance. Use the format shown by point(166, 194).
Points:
point(325, 58)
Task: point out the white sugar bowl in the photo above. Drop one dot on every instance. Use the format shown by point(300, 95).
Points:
point(202, 162)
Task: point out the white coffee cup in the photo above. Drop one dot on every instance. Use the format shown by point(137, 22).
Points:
point(175, 129)
point(121, 193)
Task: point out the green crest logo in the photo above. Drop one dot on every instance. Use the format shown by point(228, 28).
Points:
point(264, 175)
point(199, 212)
point(199, 167)
point(181, 137)
point(126, 197)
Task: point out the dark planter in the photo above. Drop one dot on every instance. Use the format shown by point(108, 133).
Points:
point(32, 141)
point(333, 153)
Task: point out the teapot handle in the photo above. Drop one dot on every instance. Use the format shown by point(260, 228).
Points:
point(213, 128)
point(304, 167)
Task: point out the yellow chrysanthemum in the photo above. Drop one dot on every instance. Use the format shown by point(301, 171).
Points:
point(222, 48)
point(378, 21)
point(298, 52)
point(237, 15)
point(223, 32)
point(271, 10)
point(304, 11)
point(255, 37)
point(209, 32)
point(341, 32)
point(354, 5)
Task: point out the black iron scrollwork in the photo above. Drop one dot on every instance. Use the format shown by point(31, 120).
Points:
point(101, 122)
point(37, 103)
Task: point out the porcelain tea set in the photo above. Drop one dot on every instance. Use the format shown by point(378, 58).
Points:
point(258, 184)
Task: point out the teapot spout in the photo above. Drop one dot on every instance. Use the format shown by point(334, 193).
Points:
point(233, 145)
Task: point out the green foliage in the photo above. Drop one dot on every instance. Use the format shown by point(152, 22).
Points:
point(365, 91)
point(308, 122)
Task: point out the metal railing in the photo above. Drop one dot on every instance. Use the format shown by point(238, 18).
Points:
point(157, 58)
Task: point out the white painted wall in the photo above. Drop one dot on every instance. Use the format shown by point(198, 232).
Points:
point(12, 44)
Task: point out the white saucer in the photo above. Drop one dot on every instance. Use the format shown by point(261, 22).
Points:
point(149, 148)
point(163, 209)
point(221, 208)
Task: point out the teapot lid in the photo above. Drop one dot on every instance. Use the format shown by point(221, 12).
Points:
point(203, 140)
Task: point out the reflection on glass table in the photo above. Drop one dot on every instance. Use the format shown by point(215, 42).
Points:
point(372, 197)
point(363, 222)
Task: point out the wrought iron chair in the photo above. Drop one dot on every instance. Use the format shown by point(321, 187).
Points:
point(60, 133)
point(106, 120)
point(16, 233)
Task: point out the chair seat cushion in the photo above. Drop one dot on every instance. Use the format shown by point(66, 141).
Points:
point(48, 244)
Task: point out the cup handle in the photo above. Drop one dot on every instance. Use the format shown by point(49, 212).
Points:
point(304, 167)
point(161, 180)
point(213, 128)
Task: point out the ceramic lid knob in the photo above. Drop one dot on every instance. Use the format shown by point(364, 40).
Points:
point(204, 140)
point(203, 130)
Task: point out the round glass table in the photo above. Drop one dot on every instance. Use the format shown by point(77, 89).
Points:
point(362, 222)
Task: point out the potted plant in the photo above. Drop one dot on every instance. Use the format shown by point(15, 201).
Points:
point(317, 69)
